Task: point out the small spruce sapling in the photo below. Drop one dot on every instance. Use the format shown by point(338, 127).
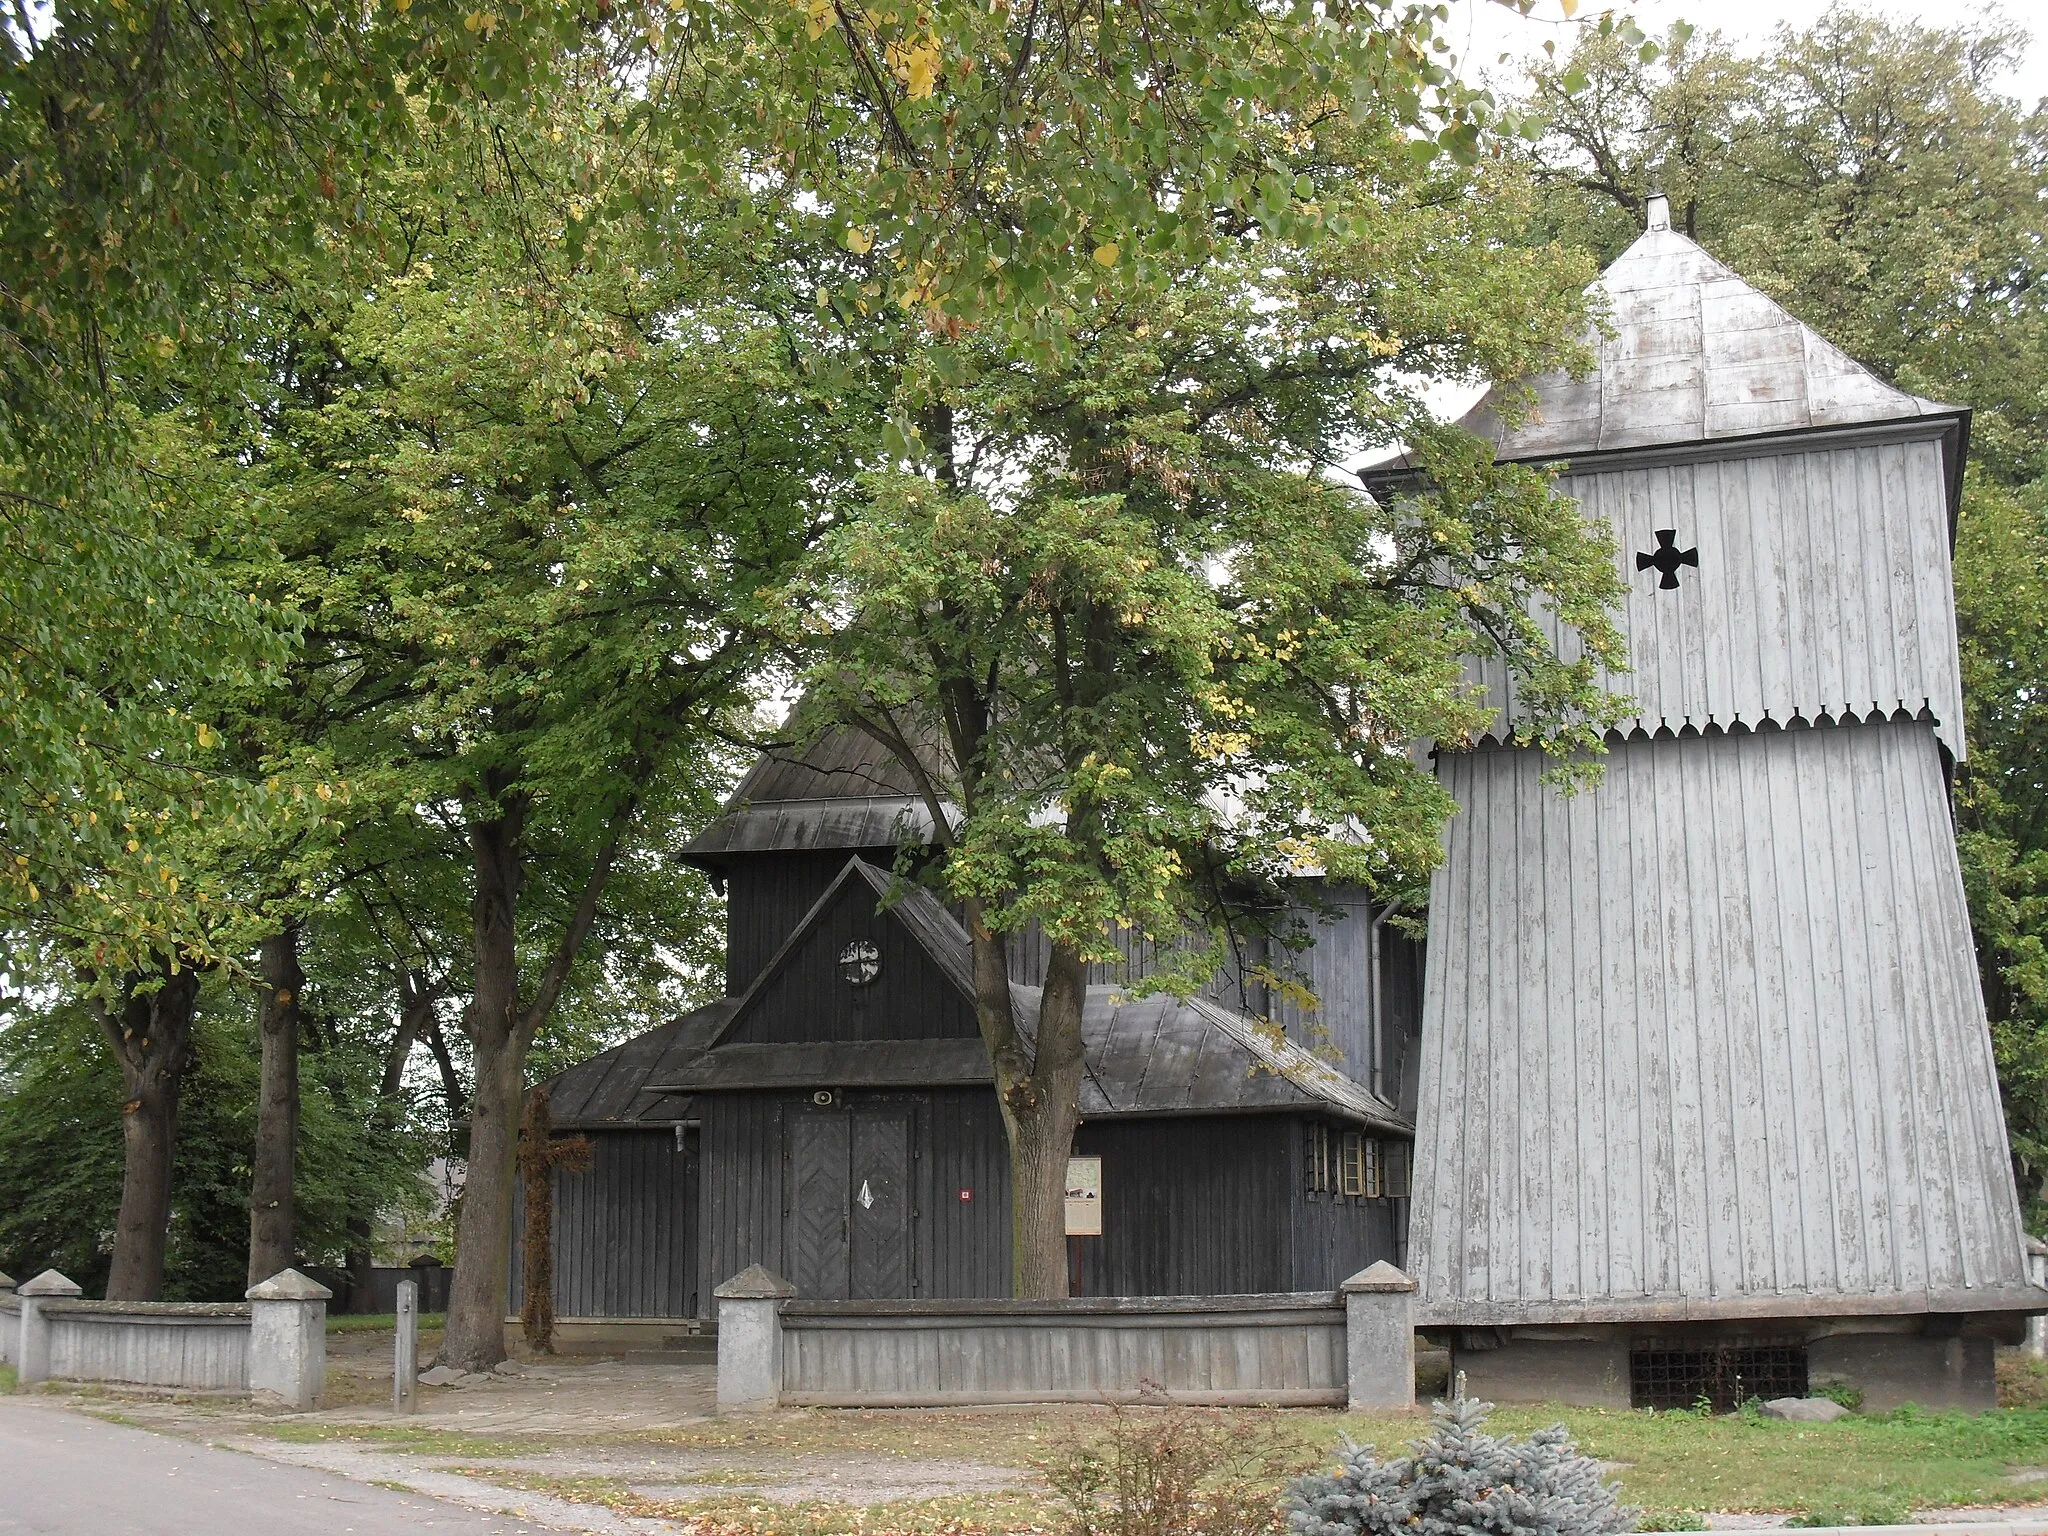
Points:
point(1459, 1481)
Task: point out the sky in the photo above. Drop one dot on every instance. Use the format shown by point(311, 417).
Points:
point(1481, 30)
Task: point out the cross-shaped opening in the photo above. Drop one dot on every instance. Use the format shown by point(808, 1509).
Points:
point(1667, 558)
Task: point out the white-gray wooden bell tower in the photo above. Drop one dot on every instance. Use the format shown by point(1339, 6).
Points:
point(1706, 1078)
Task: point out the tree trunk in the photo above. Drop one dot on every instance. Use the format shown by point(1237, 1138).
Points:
point(1039, 1092)
point(151, 1036)
point(360, 1291)
point(500, 1032)
point(273, 1231)
point(478, 1296)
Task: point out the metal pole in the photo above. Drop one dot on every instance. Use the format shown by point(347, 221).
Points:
point(405, 1365)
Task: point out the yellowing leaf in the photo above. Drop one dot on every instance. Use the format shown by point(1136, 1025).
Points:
point(860, 241)
point(1107, 253)
point(921, 70)
point(1571, 7)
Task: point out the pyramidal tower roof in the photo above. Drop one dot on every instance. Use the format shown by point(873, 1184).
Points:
point(1695, 355)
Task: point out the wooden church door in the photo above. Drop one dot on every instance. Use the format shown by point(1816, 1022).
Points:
point(848, 1232)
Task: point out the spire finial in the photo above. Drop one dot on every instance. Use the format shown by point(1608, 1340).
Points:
point(1657, 211)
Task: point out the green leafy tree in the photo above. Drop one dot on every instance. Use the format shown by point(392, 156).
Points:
point(62, 1156)
point(1147, 651)
point(525, 499)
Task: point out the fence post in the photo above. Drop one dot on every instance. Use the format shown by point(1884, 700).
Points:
point(405, 1361)
point(10, 1328)
point(288, 1340)
point(750, 1340)
point(1379, 1338)
point(2037, 1272)
point(33, 1363)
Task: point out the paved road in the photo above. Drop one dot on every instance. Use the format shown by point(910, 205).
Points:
point(62, 1474)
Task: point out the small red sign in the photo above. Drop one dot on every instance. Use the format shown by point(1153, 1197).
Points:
point(966, 1195)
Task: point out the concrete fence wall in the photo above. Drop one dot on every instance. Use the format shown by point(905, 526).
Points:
point(10, 1323)
point(272, 1346)
point(1354, 1346)
point(156, 1344)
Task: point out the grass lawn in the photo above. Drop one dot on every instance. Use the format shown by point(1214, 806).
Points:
point(1675, 1466)
point(371, 1322)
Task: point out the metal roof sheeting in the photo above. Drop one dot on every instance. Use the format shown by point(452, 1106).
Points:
point(1161, 1055)
point(609, 1088)
point(1823, 587)
point(1708, 1041)
point(1693, 354)
point(1145, 1055)
point(842, 790)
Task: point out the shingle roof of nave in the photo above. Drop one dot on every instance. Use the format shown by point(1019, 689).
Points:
point(1695, 354)
point(1145, 1055)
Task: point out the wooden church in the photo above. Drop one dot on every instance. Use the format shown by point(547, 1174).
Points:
point(834, 1115)
point(1693, 1083)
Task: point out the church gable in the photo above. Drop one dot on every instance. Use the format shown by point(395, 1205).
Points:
point(854, 970)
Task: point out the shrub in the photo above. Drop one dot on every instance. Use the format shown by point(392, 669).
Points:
point(1460, 1480)
point(1165, 1469)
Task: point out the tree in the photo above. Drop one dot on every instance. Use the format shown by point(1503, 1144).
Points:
point(525, 499)
point(1142, 646)
point(62, 1155)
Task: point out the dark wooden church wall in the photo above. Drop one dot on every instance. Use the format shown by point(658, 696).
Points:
point(1138, 957)
point(767, 895)
point(743, 1199)
point(1335, 1236)
point(806, 1000)
point(625, 1231)
point(963, 1246)
point(964, 1243)
point(1191, 1207)
point(1401, 971)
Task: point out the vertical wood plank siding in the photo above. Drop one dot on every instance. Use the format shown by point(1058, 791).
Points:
point(1196, 1206)
point(1335, 1235)
point(1192, 1206)
point(767, 895)
point(103, 1341)
point(743, 1186)
point(806, 1000)
point(1824, 587)
point(964, 1245)
point(625, 1231)
point(1709, 1032)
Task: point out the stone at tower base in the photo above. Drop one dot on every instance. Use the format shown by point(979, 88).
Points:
point(1939, 1361)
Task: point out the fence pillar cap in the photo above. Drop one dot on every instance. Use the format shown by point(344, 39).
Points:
point(754, 1283)
point(289, 1285)
point(1380, 1277)
point(6, 1281)
point(49, 1283)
